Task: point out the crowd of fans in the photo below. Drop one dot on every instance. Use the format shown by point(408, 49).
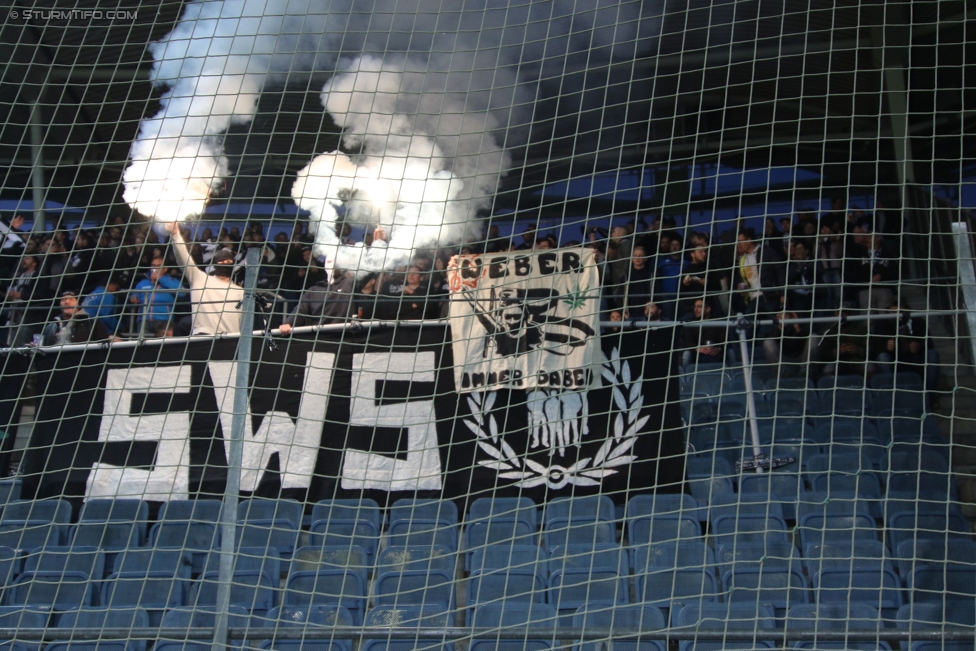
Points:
point(127, 279)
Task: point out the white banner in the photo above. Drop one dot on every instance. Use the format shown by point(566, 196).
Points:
point(526, 320)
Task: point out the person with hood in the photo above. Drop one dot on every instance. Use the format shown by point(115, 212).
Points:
point(216, 299)
point(324, 302)
point(73, 326)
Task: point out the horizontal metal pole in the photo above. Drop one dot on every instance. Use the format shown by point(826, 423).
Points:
point(360, 324)
point(314, 632)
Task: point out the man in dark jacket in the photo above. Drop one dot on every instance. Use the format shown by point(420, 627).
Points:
point(323, 302)
point(703, 343)
point(844, 347)
point(73, 325)
point(27, 301)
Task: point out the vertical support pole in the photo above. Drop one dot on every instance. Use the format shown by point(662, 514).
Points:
point(967, 278)
point(228, 513)
point(37, 164)
point(750, 393)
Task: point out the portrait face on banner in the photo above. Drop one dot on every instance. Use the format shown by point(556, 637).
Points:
point(524, 321)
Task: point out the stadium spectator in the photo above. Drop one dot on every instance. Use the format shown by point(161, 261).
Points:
point(790, 347)
point(216, 299)
point(844, 347)
point(902, 345)
point(639, 287)
point(103, 306)
point(696, 279)
point(53, 264)
point(703, 343)
point(324, 302)
point(26, 302)
point(619, 254)
point(616, 316)
point(414, 302)
point(495, 243)
point(652, 311)
point(156, 293)
point(12, 246)
point(669, 274)
point(73, 325)
point(881, 265)
point(801, 275)
point(528, 238)
point(759, 275)
point(77, 277)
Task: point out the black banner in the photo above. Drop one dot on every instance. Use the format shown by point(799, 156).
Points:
point(344, 414)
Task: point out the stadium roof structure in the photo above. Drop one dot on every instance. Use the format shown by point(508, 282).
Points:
point(846, 90)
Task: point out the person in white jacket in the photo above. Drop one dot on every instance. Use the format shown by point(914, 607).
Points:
point(216, 299)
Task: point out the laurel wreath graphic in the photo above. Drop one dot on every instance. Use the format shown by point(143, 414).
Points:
point(627, 396)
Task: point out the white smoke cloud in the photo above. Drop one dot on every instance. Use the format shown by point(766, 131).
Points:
point(452, 88)
point(429, 158)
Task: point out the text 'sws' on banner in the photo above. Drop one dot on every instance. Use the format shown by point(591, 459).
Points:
point(346, 414)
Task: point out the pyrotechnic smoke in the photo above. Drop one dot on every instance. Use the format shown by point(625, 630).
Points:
point(428, 159)
point(426, 100)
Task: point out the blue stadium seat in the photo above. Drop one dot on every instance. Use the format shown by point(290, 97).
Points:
point(308, 618)
point(390, 616)
point(673, 504)
point(909, 553)
point(573, 587)
point(499, 557)
point(102, 618)
point(415, 523)
point(10, 491)
point(909, 430)
point(507, 585)
point(349, 558)
point(770, 585)
point(522, 509)
point(19, 617)
point(9, 565)
point(835, 618)
point(937, 616)
point(579, 530)
point(254, 582)
point(936, 583)
point(782, 553)
point(878, 585)
point(847, 430)
point(346, 523)
point(662, 528)
point(443, 511)
point(585, 557)
point(830, 382)
point(685, 554)
point(862, 553)
point(482, 533)
point(33, 524)
point(702, 488)
point(532, 615)
point(781, 487)
point(271, 524)
point(152, 579)
point(823, 518)
point(932, 525)
point(326, 586)
point(111, 524)
point(909, 381)
point(730, 505)
point(679, 573)
point(863, 486)
point(624, 619)
point(837, 459)
point(726, 617)
point(596, 507)
point(707, 466)
point(62, 578)
point(185, 618)
point(432, 589)
point(906, 403)
point(911, 458)
point(188, 524)
point(402, 559)
point(746, 527)
point(706, 438)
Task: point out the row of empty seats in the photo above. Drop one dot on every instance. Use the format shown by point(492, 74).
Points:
point(284, 628)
